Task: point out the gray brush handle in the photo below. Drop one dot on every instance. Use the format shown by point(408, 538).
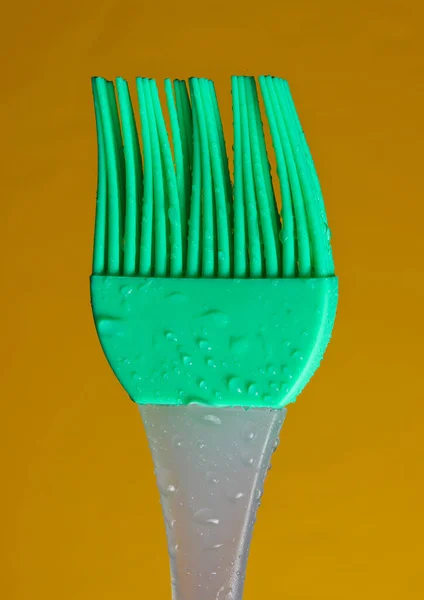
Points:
point(210, 465)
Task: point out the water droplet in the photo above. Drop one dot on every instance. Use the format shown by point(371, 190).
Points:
point(252, 389)
point(216, 317)
point(211, 363)
point(214, 547)
point(212, 477)
point(165, 481)
point(126, 290)
point(177, 298)
point(283, 236)
point(187, 360)
point(297, 354)
point(271, 370)
point(203, 385)
point(205, 516)
point(204, 344)
point(201, 444)
point(248, 461)
point(327, 232)
point(172, 550)
point(224, 593)
point(235, 496)
point(170, 522)
point(249, 435)
point(235, 385)
point(196, 401)
point(239, 345)
point(178, 440)
point(274, 386)
point(170, 336)
point(212, 419)
point(144, 284)
point(110, 326)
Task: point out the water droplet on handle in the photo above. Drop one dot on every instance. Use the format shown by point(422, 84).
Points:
point(166, 482)
point(205, 516)
point(249, 435)
point(224, 593)
point(212, 477)
point(212, 419)
point(235, 496)
point(178, 441)
point(213, 547)
point(172, 550)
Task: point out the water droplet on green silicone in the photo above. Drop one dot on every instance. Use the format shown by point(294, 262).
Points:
point(239, 345)
point(110, 326)
point(216, 317)
point(126, 290)
point(170, 336)
point(252, 389)
point(177, 298)
point(235, 385)
point(204, 344)
point(187, 360)
point(203, 384)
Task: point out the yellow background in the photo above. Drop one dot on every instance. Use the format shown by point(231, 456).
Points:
point(342, 516)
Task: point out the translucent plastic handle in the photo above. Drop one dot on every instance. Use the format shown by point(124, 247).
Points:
point(210, 467)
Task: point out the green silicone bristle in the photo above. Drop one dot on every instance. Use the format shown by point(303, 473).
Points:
point(171, 212)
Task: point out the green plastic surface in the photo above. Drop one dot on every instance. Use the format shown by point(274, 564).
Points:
point(201, 290)
point(221, 342)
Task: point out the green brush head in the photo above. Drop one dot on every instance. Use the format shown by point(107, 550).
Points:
point(201, 291)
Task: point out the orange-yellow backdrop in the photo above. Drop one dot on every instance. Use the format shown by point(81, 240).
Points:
point(342, 516)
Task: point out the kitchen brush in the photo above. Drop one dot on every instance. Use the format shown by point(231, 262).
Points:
point(213, 307)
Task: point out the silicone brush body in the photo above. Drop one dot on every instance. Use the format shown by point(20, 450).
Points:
point(213, 309)
point(218, 342)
